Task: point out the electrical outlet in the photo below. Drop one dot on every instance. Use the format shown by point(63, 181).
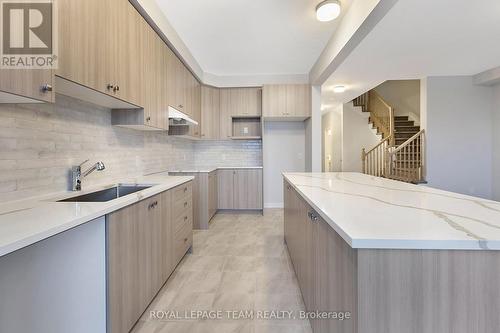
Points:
point(245, 130)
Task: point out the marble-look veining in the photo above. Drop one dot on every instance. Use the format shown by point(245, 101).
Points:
point(372, 212)
point(26, 222)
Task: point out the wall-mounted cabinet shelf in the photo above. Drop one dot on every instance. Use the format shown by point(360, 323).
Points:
point(248, 128)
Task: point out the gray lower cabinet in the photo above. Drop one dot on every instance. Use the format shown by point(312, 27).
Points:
point(144, 241)
point(240, 189)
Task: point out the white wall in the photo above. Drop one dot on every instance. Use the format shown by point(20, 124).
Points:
point(356, 135)
point(403, 96)
point(332, 140)
point(496, 142)
point(458, 123)
point(284, 150)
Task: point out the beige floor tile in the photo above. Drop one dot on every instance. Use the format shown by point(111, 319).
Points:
point(202, 281)
point(240, 264)
point(234, 301)
point(191, 301)
point(202, 263)
point(243, 282)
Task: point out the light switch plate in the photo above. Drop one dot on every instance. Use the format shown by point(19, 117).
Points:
point(245, 130)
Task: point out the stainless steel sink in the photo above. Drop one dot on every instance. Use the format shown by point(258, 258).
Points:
point(107, 194)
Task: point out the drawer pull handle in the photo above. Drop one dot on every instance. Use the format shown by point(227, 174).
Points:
point(185, 189)
point(153, 205)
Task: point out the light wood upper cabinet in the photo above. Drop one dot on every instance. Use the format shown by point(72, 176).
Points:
point(210, 113)
point(84, 42)
point(226, 120)
point(27, 83)
point(298, 100)
point(176, 83)
point(126, 56)
point(195, 107)
point(287, 101)
point(274, 101)
point(246, 102)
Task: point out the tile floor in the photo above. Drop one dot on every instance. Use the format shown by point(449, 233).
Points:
point(241, 263)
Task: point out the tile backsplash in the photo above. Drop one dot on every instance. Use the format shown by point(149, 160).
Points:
point(40, 142)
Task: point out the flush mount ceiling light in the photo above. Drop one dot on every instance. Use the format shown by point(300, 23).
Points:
point(327, 10)
point(339, 89)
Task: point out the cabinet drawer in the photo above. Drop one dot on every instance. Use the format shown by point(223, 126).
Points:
point(183, 240)
point(182, 206)
point(183, 191)
point(182, 220)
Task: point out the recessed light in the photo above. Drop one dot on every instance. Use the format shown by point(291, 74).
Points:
point(327, 10)
point(339, 89)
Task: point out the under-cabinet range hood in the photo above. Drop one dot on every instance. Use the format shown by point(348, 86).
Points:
point(177, 118)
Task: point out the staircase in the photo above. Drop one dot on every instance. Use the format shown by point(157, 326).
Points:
point(400, 155)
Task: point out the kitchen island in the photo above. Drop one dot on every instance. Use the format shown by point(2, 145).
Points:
point(398, 257)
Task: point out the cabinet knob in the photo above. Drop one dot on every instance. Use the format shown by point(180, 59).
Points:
point(47, 88)
point(185, 240)
point(185, 204)
point(116, 88)
point(185, 218)
point(148, 119)
point(110, 86)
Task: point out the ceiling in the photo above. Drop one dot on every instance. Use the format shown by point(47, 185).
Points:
point(417, 39)
point(251, 37)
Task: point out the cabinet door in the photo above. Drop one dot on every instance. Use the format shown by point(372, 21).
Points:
point(246, 102)
point(176, 84)
point(150, 261)
point(274, 101)
point(334, 283)
point(126, 53)
point(84, 42)
point(298, 100)
point(248, 189)
point(253, 101)
point(149, 86)
point(167, 236)
point(210, 112)
point(124, 298)
point(195, 130)
point(27, 83)
point(226, 120)
point(226, 189)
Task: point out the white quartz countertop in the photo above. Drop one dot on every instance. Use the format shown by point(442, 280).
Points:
point(377, 213)
point(26, 222)
point(208, 170)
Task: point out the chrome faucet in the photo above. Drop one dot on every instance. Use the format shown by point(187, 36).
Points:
point(77, 175)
